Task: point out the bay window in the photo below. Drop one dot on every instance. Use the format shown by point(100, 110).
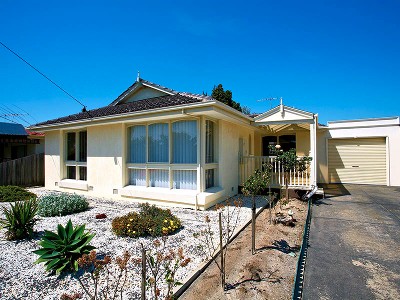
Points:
point(151, 161)
point(158, 140)
point(184, 142)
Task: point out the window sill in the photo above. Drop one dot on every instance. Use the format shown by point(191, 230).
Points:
point(73, 184)
point(163, 194)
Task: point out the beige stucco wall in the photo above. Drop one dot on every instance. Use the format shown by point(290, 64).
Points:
point(303, 142)
point(105, 164)
point(388, 128)
point(52, 160)
point(257, 143)
point(229, 139)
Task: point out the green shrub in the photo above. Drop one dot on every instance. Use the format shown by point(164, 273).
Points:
point(11, 193)
point(151, 220)
point(60, 251)
point(20, 219)
point(61, 204)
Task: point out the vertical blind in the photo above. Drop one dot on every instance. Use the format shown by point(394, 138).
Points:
point(159, 178)
point(184, 151)
point(158, 143)
point(184, 142)
point(138, 177)
point(138, 144)
point(185, 179)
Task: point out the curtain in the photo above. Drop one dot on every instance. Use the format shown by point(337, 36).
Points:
point(159, 178)
point(185, 179)
point(137, 177)
point(158, 143)
point(184, 142)
point(138, 144)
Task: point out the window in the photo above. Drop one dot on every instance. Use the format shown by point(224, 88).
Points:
point(138, 144)
point(137, 177)
point(83, 146)
point(159, 178)
point(287, 142)
point(210, 182)
point(185, 179)
point(268, 141)
point(71, 142)
point(210, 158)
point(152, 163)
point(210, 135)
point(158, 143)
point(76, 155)
point(184, 142)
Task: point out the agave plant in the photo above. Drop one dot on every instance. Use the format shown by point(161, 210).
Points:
point(20, 219)
point(60, 251)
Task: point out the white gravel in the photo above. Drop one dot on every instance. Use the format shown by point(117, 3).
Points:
point(21, 279)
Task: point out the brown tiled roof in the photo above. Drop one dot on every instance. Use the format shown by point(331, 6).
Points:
point(141, 105)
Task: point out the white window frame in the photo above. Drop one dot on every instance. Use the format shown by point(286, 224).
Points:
point(212, 165)
point(74, 163)
point(171, 167)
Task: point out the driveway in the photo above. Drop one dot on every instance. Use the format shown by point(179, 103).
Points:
point(354, 246)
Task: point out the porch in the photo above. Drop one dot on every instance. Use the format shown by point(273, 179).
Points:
point(297, 179)
point(290, 128)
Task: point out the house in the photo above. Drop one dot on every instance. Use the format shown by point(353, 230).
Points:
point(155, 144)
point(17, 142)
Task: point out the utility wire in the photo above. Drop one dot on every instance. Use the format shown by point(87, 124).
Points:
point(8, 119)
point(32, 117)
point(16, 54)
point(10, 112)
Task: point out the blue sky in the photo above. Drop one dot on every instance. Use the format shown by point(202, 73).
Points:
point(340, 59)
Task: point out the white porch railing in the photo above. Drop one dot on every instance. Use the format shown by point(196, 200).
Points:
point(248, 164)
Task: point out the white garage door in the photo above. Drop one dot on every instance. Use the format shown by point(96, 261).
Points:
point(359, 160)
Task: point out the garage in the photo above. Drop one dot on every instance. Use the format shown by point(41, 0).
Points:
point(357, 160)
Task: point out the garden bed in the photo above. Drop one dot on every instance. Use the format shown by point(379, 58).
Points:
point(21, 279)
point(269, 274)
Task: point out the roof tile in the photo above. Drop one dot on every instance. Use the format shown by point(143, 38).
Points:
point(141, 105)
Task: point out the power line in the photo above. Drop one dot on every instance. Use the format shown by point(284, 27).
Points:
point(12, 113)
point(16, 54)
point(8, 119)
point(32, 117)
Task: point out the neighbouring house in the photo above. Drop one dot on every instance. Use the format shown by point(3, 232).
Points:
point(163, 146)
point(17, 142)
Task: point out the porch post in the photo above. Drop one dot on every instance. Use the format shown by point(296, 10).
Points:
point(313, 150)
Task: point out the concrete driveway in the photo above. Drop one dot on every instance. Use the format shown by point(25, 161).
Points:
point(354, 246)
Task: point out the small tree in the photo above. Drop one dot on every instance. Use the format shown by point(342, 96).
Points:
point(209, 245)
point(254, 185)
point(289, 161)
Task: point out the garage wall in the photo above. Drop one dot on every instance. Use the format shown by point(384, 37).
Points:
point(388, 128)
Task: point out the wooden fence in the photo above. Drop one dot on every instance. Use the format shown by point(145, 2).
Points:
point(25, 171)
